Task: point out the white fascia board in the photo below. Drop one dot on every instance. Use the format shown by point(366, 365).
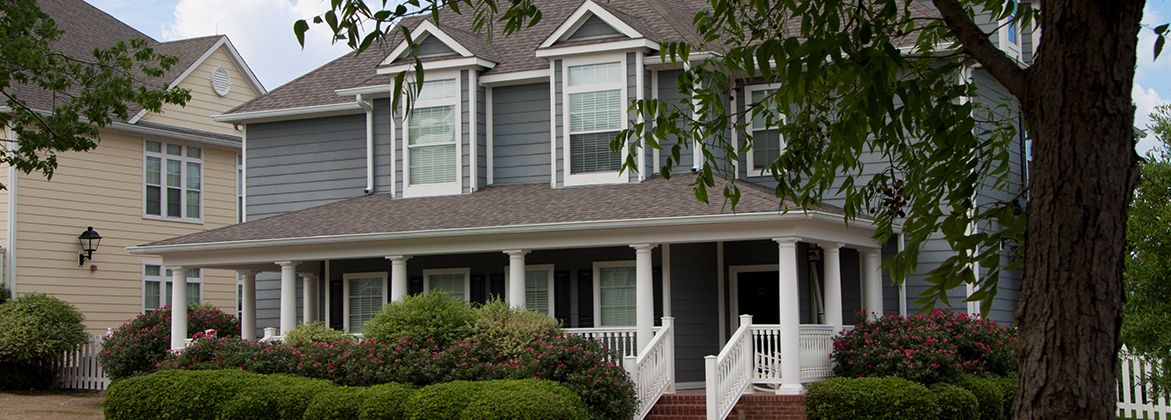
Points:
point(418, 35)
point(515, 78)
point(242, 66)
point(138, 129)
point(656, 62)
point(344, 108)
point(627, 45)
point(376, 91)
point(458, 63)
point(579, 17)
point(859, 229)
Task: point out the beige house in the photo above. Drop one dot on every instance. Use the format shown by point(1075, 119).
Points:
point(151, 177)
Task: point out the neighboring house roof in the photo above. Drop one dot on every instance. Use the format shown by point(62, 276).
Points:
point(497, 206)
point(86, 28)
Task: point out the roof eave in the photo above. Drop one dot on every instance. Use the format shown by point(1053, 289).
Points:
point(270, 115)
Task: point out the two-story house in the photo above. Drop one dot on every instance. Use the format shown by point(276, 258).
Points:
point(154, 176)
point(500, 182)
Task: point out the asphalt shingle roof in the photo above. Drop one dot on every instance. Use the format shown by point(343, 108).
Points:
point(495, 206)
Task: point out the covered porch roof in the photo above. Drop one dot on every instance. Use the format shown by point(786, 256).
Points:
point(528, 216)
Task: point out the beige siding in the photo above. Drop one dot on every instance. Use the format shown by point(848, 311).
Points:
point(196, 115)
point(103, 188)
point(3, 208)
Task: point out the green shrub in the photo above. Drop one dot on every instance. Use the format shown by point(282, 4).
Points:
point(988, 395)
point(511, 329)
point(276, 397)
point(525, 399)
point(176, 394)
point(138, 346)
point(387, 402)
point(342, 403)
point(582, 366)
point(315, 332)
point(5, 295)
point(955, 403)
point(888, 398)
point(35, 330)
point(445, 401)
point(432, 316)
point(1008, 384)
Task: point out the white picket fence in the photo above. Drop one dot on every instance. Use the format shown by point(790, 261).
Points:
point(80, 369)
point(1135, 400)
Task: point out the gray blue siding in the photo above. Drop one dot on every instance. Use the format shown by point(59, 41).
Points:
point(520, 128)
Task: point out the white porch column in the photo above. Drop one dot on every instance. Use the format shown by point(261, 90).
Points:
point(288, 295)
point(248, 303)
point(644, 292)
point(790, 318)
point(833, 286)
point(398, 277)
point(178, 307)
point(309, 303)
point(872, 280)
point(516, 277)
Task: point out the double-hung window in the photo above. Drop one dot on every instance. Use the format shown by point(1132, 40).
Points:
point(455, 281)
point(156, 286)
point(538, 287)
point(767, 143)
point(432, 131)
point(614, 288)
point(365, 293)
point(596, 111)
point(173, 176)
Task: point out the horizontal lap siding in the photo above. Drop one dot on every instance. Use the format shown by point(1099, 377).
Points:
point(204, 103)
point(694, 304)
point(520, 134)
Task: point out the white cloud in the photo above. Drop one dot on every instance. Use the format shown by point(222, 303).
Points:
point(262, 30)
point(1145, 101)
point(1147, 65)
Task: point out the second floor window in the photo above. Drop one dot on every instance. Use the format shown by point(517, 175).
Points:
point(173, 180)
point(595, 117)
point(432, 134)
point(767, 143)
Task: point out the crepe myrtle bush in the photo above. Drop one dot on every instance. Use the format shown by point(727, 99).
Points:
point(139, 345)
point(941, 346)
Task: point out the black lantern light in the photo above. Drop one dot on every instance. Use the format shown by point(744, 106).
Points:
point(89, 243)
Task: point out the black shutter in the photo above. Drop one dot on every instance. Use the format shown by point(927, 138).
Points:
point(478, 295)
point(415, 286)
point(496, 286)
point(561, 297)
point(335, 305)
point(657, 281)
point(585, 298)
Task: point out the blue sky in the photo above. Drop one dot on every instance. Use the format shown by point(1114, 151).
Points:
point(262, 31)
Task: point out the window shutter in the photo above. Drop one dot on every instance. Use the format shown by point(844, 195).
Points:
point(416, 285)
point(496, 286)
point(657, 280)
point(561, 297)
point(336, 305)
point(585, 298)
point(478, 292)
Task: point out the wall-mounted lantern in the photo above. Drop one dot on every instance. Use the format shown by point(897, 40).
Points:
point(89, 243)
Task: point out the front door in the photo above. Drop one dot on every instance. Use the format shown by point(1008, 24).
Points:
point(758, 294)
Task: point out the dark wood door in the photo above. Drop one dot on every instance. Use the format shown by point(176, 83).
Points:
point(758, 294)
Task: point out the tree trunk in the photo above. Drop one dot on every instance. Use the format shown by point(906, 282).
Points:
point(1078, 107)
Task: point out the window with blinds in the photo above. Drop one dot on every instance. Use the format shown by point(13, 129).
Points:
point(173, 178)
point(537, 291)
point(767, 143)
point(617, 297)
point(450, 283)
point(595, 117)
point(432, 135)
point(365, 298)
point(157, 290)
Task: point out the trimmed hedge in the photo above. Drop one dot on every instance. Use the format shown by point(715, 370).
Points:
point(34, 331)
point(344, 403)
point(955, 403)
point(887, 398)
point(1008, 384)
point(274, 397)
point(525, 399)
point(387, 402)
point(435, 317)
point(988, 394)
point(315, 332)
point(445, 401)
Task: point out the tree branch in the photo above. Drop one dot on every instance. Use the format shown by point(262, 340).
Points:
point(976, 43)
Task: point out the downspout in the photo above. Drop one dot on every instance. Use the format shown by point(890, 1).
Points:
point(902, 284)
point(366, 106)
point(10, 254)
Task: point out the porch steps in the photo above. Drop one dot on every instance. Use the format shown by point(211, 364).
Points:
point(750, 407)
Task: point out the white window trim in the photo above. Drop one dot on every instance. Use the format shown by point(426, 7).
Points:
point(163, 280)
point(734, 283)
point(466, 271)
point(755, 170)
point(598, 266)
point(346, 292)
point(547, 268)
point(1013, 50)
point(611, 177)
point(183, 180)
point(447, 188)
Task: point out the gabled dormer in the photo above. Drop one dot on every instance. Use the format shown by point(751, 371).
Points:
point(594, 28)
point(438, 50)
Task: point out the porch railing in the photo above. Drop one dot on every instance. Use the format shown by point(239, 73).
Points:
point(653, 370)
point(79, 367)
point(1135, 399)
point(730, 373)
point(620, 341)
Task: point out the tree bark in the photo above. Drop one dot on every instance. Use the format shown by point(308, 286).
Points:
point(1080, 115)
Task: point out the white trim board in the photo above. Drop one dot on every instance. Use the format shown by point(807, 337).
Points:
point(425, 29)
point(580, 16)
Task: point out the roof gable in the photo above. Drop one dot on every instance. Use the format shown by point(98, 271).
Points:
point(593, 19)
point(423, 33)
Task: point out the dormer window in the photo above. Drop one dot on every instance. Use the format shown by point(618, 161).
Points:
point(432, 140)
point(594, 94)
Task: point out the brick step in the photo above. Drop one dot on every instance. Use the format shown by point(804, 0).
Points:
point(694, 407)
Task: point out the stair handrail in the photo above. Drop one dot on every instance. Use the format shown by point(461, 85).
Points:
point(653, 370)
point(729, 375)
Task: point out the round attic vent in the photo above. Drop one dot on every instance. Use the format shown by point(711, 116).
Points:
point(221, 81)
